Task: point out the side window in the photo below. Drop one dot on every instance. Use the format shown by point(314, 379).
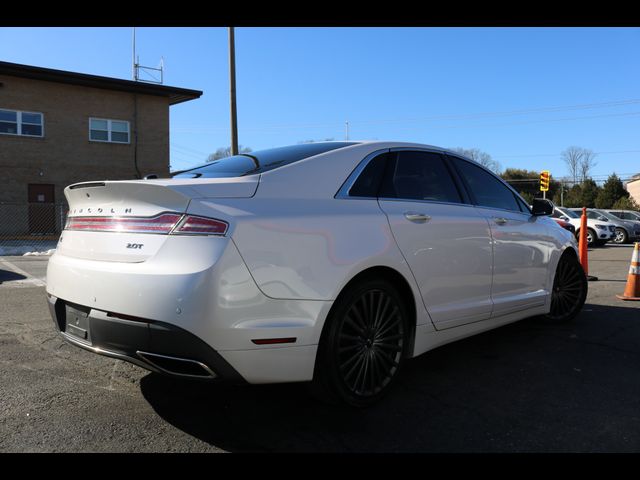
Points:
point(419, 176)
point(368, 181)
point(524, 208)
point(487, 189)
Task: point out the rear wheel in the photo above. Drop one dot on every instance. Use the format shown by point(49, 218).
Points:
point(569, 289)
point(362, 349)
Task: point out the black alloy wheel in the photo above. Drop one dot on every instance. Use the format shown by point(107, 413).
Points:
point(364, 346)
point(569, 289)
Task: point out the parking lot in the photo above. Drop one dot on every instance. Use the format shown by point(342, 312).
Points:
point(527, 387)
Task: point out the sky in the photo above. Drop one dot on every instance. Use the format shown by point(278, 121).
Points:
point(520, 94)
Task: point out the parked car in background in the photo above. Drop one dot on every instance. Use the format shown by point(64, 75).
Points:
point(599, 232)
point(626, 215)
point(625, 231)
point(331, 263)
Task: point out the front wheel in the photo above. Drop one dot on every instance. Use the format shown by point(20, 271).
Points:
point(569, 289)
point(363, 348)
point(621, 236)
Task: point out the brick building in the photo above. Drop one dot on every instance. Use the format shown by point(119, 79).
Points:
point(633, 187)
point(59, 127)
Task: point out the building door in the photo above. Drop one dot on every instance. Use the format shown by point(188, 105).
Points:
point(42, 210)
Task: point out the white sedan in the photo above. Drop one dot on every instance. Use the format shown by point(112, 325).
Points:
point(331, 263)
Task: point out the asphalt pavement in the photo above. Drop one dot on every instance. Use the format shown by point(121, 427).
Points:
point(527, 387)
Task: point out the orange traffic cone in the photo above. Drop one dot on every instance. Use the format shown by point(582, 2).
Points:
point(582, 246)
point(632, 290)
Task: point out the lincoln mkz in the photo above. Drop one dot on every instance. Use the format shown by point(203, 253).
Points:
point(331, 263)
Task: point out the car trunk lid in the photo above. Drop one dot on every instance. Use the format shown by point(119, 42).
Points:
point(129, 221)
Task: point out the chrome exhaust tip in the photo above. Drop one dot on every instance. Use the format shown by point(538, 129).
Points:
point(182, 367)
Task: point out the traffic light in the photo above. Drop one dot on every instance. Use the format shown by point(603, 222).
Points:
point(544, 181)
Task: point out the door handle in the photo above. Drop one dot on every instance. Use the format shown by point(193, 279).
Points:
point(500, 220)
point(417, 217)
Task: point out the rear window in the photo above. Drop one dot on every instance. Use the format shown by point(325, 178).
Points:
point(260, 161)
point(570, 213)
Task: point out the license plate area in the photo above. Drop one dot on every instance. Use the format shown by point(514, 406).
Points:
point(77, 322)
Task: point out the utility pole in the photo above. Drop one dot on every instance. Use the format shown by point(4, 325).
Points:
point(346, 130)
point(232, 86)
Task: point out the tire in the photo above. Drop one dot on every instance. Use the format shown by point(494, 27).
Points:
point(363, 346)
point(591, 238)
point(621, 236)
point(569, 290)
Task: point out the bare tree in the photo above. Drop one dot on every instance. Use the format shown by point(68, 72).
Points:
point(572, 157)
point(224, 152)
point(587, 162)
point(483, 158)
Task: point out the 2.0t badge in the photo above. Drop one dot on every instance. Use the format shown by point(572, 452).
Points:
point(135, 245)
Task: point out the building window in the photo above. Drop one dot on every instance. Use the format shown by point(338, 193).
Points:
point(105, 130)
point(15, 122)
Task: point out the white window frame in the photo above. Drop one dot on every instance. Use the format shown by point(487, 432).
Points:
point(19, 123)
point(110, 130)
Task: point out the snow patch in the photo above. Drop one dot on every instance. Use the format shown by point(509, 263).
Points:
point(11, 248)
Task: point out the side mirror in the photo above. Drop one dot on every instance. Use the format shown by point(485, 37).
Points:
point(542, 206)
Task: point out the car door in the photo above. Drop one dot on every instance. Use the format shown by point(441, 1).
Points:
point(521, 251)
point(444, 240)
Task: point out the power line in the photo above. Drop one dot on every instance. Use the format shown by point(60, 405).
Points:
point(465, 116)
point(188, 149)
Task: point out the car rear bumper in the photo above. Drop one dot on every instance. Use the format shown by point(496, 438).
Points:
point(156, 346)
point(205, 309)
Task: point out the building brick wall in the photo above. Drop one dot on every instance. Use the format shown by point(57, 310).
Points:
point(633, 188)
point(65, 154)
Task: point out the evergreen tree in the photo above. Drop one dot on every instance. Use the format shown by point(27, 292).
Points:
point(626, 203)
point(573, 197)
point(612, 191)
point(590, 191)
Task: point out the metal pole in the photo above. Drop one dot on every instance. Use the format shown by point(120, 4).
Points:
point(133, 56)
point(232, 86)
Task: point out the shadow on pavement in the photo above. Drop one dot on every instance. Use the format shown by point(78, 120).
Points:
point(9, 276)
point(526, 387)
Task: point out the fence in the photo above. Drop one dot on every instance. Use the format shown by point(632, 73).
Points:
point(30, 227)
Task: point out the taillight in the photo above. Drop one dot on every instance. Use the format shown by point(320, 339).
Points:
point(159, 224)
point(192, 224)
point(165, 223)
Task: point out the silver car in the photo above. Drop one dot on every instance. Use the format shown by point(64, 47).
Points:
point(627, 231)
point(628, 215)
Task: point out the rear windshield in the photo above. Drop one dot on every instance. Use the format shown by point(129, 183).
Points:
point(260, 161)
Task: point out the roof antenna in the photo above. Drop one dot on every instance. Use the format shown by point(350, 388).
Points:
point(142, 73)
